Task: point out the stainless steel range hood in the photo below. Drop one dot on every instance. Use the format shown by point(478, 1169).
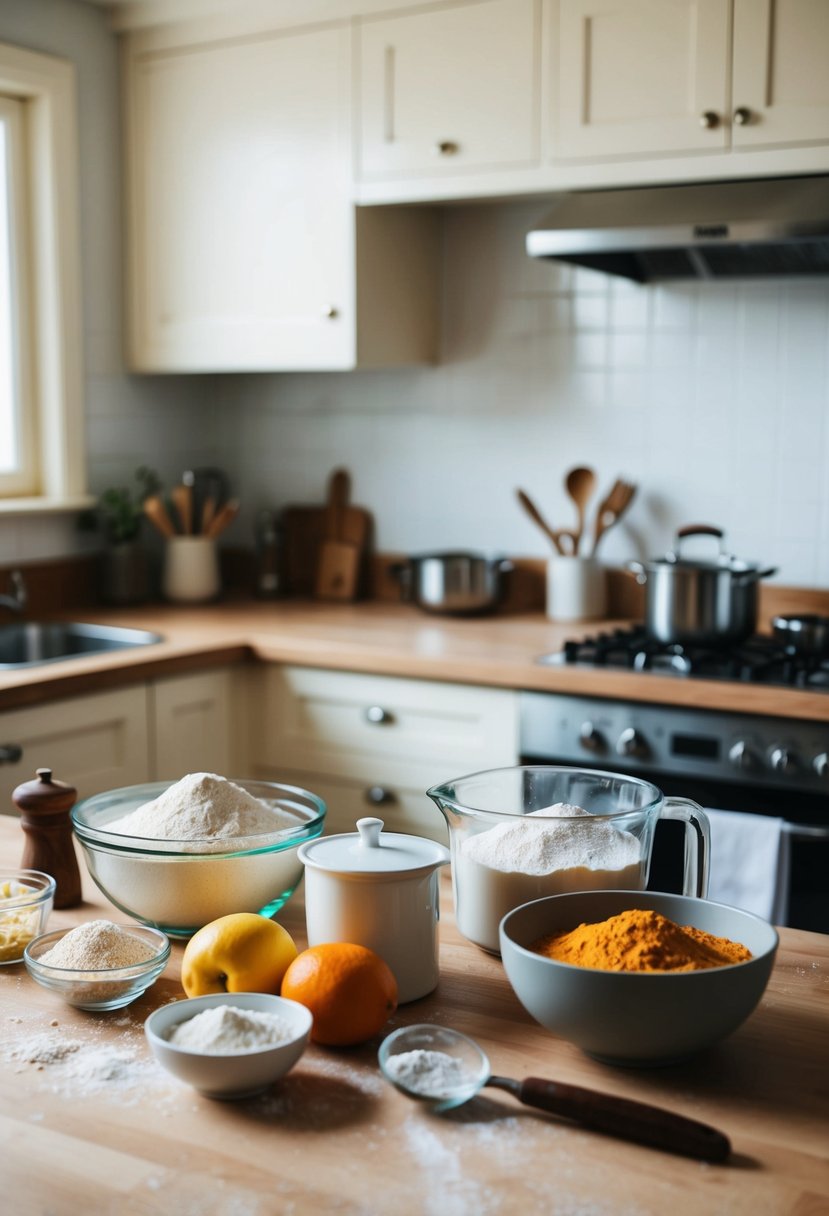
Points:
point(728, 230)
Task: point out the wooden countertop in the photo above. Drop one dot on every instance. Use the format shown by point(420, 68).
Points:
point(106, 1130)
point(386, 639)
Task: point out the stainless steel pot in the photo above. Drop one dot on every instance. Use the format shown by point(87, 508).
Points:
point(807, 634)
point(710, 603)
point(454, 583)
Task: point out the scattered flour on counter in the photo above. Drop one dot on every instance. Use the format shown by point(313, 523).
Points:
point(97, 946)
point(532, 856)
point(226, 1030)
point(200, 806)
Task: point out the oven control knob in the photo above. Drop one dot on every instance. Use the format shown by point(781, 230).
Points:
point(781, 760)
point(591, 738)
point(821, 764)
point(741, 755)
point(631, 743)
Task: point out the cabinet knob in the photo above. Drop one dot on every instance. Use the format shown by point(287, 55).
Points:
point(447, 147)
point(331, 312)
point(709, 120)
point(378, 716)
point(378, 795)
point(10, 753)
point(743, 116)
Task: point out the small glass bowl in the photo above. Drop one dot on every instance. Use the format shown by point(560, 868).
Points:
point(26, 900)
point(104, 988)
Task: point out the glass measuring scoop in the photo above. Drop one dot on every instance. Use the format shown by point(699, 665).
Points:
point(446, 1068)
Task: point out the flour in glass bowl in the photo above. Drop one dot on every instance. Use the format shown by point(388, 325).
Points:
point(198, 807)
point(532, 856)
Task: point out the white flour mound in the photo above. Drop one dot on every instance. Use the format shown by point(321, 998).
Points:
point(225, 1030)
point(198, 807)
point(580, 840)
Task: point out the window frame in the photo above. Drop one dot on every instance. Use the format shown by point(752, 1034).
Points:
point(53, 384)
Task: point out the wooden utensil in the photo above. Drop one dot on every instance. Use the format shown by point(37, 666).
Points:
point(208, 513)
point(157, 513)
point(223, 518)
point(339, 561)
point(612, 508)
point(564, 541)
point(182, 497)
point(580, 484)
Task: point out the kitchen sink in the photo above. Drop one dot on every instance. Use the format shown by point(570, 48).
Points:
point(31, 643)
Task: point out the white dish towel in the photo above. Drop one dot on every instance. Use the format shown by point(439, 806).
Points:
point(750, 861)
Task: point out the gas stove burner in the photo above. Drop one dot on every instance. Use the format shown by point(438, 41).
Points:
point(761, 659)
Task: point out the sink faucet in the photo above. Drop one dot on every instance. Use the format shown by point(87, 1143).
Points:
point(18, 598)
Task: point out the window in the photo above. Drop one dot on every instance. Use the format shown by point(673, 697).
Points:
point(18, 466)
point(42, 450)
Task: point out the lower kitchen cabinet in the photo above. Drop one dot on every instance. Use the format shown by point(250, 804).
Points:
point(372, 745)
point(192, 719)
point(96, 742)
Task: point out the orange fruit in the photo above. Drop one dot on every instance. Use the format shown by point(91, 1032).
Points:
point(349, 989)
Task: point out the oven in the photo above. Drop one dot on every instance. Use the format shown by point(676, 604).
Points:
point(732, 762)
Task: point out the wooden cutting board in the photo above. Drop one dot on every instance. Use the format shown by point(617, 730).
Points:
point(338, 568)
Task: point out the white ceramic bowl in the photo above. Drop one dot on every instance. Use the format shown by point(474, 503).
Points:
point(104, 988)
point(241, 1074)
point(636, 1018)
point(179, 886)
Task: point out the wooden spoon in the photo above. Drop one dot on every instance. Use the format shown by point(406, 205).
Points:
point(580, 484)
point(182, 497)
point(156, 512)
point(564, 542)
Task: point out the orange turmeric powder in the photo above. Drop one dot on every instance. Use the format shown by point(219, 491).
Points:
point(641, 941)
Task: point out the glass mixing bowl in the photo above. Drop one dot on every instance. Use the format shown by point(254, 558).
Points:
point(180, 885)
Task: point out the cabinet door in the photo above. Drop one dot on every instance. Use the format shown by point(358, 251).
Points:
point(781, 72)
point(450, 89)
point(637, 77)
point(401, 809)
point(242, 232)
point(381, 730)
point(192, 725)
point(95, 743)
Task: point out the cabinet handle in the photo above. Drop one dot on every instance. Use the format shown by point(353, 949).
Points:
point(378, 795)
point(377, 716)
point(447, 147)
point(330, 312)
point(10, 753)
point(743, 116)
point(709, 120)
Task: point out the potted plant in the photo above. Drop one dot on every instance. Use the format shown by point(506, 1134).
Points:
point(119, 517)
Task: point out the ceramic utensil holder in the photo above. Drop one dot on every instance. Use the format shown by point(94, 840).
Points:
point(191, 570)
point(576, 589)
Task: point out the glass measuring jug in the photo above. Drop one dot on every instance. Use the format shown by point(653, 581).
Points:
point(522, 833)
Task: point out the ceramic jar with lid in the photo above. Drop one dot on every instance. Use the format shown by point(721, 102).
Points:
point(378, 889)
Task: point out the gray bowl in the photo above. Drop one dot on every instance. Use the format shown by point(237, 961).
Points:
point(635, 1018)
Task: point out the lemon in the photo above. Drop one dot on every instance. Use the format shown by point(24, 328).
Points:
point(241, 952)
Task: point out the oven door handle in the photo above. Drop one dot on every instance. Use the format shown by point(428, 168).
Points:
point(802, 831)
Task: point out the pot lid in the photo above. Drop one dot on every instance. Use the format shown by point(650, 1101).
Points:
point(370, 850)
point(722, 560)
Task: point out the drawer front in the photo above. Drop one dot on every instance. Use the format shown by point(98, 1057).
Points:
point(380, 729)
point(402, 810)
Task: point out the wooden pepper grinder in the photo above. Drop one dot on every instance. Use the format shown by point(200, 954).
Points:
point(44, 807)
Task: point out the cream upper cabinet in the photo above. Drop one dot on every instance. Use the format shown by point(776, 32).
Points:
point(780, 90)
point(449, 89)
point(246, 252)
point(637, 77)
point(667, 77)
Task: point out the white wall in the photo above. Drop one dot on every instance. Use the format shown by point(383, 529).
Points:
point(161, 421)
point(714, 398)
